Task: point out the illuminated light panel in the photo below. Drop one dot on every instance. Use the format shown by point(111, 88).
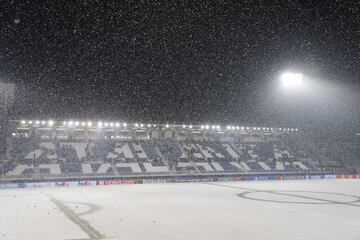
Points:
point(291, 80)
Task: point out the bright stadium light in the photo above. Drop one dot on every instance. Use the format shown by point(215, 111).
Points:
point(89, 124)
point(207, 126)
point(37, 122)
point(106, 124)
point(242, 128)
point(83, 123)
point(99, 124)
point(43, 122)
point(233, 127)
point(141, 125)
point(51, 122)
point(184, 126)
point(117, 124)
point(30, 122)
point(111, 124)
point(213, 127)
point(77, 123)
point(237, 128)
point(70, 123)
point(291, 80)
point(136, 125)
point(217, 127)
point(149, 125)
point(228, 127)
point(23, 122)
point(124, 124)
point(167, 125)
point(202, 127)
point(190, 126)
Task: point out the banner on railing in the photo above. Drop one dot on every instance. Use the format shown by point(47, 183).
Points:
point(173, 179)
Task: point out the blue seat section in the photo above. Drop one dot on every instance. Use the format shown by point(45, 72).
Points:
point(67, 152)
point(102, 149)
point(7, 167)
point(229, 168)
point(254, 166)
point(70, 168)
point(218, 147)
point(95, 166)
point(150, 150)
point(69, 155)
point(170, 150)
point(265, 151)
point(124, 170)
point(22, 147)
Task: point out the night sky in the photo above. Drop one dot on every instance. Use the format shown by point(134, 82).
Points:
point(171, 61)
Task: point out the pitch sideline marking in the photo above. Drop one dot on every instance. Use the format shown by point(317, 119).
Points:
point(84, 225)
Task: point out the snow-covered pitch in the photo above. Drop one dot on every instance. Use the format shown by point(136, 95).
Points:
point(282, 210)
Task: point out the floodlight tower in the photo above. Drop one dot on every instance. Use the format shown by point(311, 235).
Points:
point(7, 93)
point(292, 83)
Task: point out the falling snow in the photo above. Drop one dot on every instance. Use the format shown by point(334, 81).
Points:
point(187, 61)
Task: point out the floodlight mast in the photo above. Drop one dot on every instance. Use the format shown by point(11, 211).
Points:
point(292, 82)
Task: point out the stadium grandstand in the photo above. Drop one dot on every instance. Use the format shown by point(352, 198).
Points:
point(72, 149)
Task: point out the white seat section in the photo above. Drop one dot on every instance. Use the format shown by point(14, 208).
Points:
point(54, 168)
point(124, 149)
point(205, 165)
point(231, 151)
point(217, 154)
point(204, 152)
point(80, 149)
point(237, 165)
point(150, 168)
point(86, 168)
point(264, 166)
point(49, 146)
point(197, 154)
point(104, 167)
point(112, 155)
point(139, 151)
point(279, 166)
point(134, 166)
point(19, 169)
point(34, 154)
point(251, 152)
point(184, 164)
point(183, 153)
point(245, 166)
point(277, 153)
point(300, 165)
point(217, 166)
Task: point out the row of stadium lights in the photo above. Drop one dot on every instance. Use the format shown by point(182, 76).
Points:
point(50, 123)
